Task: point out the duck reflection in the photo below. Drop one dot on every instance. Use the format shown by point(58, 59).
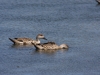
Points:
point(21, 46)
point(45, 51)
point(50, 52)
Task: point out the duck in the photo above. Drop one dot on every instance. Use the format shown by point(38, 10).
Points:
point(50, 46)
point(98, 1)
point(27, 41)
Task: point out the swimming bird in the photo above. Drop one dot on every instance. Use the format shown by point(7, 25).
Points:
point(98, 1)
point(27, 41)
point(50, 46)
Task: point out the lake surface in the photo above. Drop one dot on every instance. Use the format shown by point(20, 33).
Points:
point(74, 22)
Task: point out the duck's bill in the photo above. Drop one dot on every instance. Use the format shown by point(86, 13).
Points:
point(45, 38)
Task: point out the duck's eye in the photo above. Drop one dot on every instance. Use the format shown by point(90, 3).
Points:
point(63, 47)
point(41, 35)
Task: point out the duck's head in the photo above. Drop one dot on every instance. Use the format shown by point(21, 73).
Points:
point(40, 36)
point(64, 46)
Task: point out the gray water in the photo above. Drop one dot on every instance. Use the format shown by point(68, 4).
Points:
point(74, 22)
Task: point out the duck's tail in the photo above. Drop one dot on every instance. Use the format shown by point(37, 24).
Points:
point(36, 45)
point(14, 41)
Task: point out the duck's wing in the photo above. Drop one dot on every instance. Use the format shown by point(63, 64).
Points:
point(23, 39)
point(49, 46)
point(46, 46)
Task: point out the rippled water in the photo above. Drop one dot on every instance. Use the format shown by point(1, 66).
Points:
point(75, 23)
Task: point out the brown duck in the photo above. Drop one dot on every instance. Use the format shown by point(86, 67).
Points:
point(50, 46)
point(27, 41)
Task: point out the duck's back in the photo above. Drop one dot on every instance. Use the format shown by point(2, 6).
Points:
point(50, 45)
point(23, 39)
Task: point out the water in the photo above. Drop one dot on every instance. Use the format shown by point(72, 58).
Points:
point(75, 23)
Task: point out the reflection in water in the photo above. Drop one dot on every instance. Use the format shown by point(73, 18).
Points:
point(38, 50)
point(46, 51)
point(20, 46)
point(98, 5)
point(49, 51)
